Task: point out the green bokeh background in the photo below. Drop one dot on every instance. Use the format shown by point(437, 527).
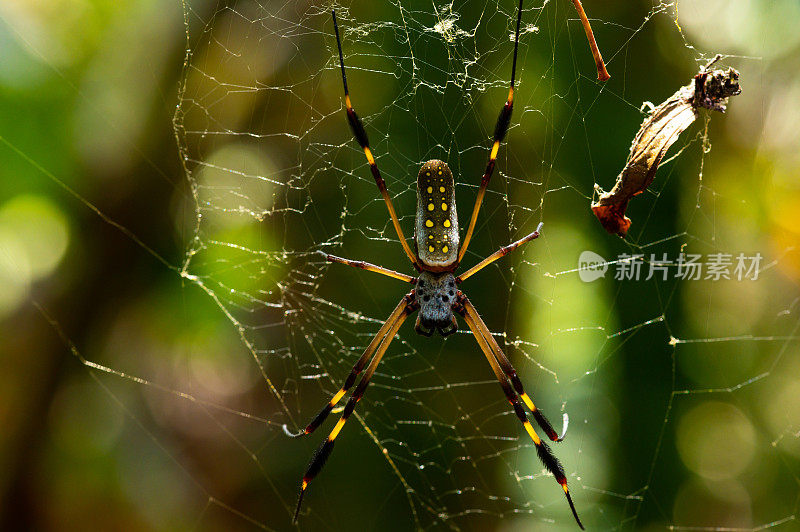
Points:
point(684, 397)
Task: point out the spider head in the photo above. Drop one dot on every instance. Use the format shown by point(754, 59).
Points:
point(436, 293)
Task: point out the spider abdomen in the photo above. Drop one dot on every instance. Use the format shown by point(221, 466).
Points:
point(437, 220)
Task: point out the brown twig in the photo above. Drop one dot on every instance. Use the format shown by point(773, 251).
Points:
point(602, 73)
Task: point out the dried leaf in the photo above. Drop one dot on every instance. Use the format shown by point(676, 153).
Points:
point(708, 89)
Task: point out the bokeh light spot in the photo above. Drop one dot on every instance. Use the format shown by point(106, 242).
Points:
point(716, 440)
point(33, 240)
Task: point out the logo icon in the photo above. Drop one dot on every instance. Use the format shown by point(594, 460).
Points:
point(591, 266)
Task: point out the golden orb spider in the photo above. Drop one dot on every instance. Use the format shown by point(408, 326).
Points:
point(435, 295)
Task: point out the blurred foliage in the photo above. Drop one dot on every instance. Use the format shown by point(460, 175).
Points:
point(689, 420)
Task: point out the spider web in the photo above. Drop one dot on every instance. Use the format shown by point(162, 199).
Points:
point(276, 178)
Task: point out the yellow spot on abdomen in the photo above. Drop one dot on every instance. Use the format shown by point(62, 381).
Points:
point(444, 249)
point(430, 206)
point(441, 189)
point(444, 206)
point(430, 190)
point(447, 223)
point(430, 248)
point(428, 223)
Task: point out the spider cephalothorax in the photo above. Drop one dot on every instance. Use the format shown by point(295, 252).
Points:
point(436, 296)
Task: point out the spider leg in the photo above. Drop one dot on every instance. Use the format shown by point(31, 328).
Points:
point(401, 312)
point(360, 264)
point(361, 136)
point(551, 463)
point(502, 252)
point(602, 73)
point(511, 373)
point(358, 367)
point(500, 130)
